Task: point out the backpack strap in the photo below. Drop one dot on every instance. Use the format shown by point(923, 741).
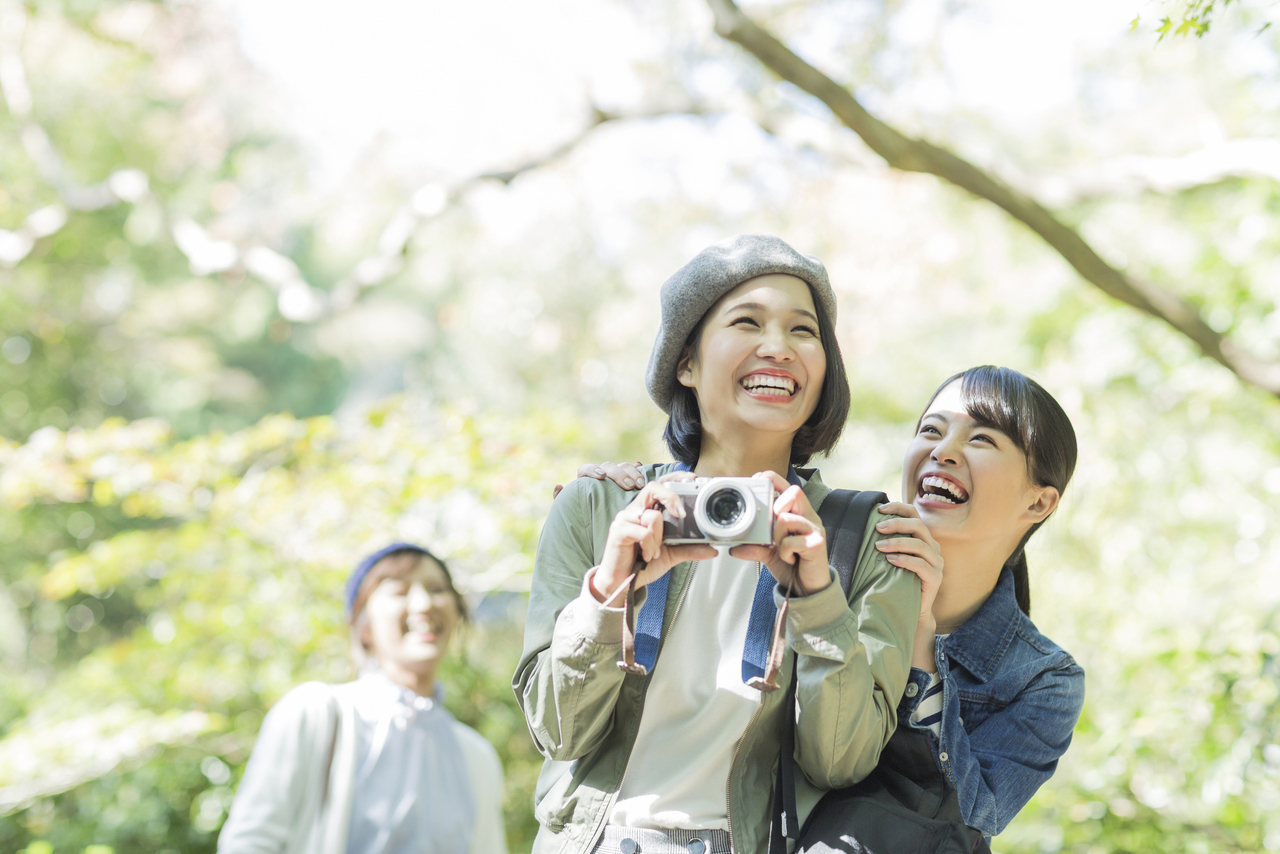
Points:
point(844, 514)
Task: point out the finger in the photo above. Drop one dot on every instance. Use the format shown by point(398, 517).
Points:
point(801, 546)
point(657, 494)
point(793, 500)
point(591, 470)
point(651, 519)
point(913, 528)
point(692, 551)
point(676, 475)
point(556, 491)
point(621, 474)
point(632, 471)
point(907, 545)
point(762, 554)
point(897, 508)
point(930, 576)
point(779, 482)
point(788, 524)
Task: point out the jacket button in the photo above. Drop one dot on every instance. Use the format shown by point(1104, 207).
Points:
point(912, 689)
point(942, 756)
point(696, 846)
point(628, 846)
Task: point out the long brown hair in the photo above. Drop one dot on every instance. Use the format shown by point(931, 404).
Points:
point(1018, 406)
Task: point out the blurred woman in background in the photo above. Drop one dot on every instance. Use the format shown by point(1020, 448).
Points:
point(375, 766)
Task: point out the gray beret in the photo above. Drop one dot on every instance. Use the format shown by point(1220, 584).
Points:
point(711, 274)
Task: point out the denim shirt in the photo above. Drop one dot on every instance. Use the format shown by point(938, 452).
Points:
point(1010, 700)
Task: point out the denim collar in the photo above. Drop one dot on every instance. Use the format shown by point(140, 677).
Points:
point(982, 641)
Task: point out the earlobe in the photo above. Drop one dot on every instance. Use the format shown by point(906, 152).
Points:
point(1046, 501)
point(684, 369)
point(366, 637)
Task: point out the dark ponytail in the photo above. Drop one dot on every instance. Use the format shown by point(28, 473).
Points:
point(1017, 565)
point(1019, 407)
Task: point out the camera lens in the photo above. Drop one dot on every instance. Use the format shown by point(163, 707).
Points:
point(725, 507)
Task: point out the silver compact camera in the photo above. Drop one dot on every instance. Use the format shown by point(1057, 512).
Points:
point(721, 511)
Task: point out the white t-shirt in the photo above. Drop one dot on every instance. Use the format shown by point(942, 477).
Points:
point(696, 708)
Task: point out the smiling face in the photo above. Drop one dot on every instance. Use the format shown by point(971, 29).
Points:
point(409, 618)
point(759, 363)
point(968, 481)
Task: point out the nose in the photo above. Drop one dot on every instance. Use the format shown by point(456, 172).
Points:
point(421, 599)
point(946, 451)
point(776, 346)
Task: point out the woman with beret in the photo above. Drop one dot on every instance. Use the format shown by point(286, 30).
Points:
point(375, 766)
point(675, 752)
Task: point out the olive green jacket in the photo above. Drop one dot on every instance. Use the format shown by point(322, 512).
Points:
point(583, 712)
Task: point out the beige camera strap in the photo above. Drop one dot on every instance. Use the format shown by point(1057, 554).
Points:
point(628, 663)
point(777, 646)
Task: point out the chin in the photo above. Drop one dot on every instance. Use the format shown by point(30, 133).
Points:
point(424, 653)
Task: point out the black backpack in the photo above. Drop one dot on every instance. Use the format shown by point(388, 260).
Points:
point(906, 805)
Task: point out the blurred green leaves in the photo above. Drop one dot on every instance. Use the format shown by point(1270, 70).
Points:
point(230, 593)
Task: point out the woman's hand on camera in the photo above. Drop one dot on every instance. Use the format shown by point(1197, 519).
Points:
point(625, 475)
point(915, 550)
point(635, 542)
point(799, 551)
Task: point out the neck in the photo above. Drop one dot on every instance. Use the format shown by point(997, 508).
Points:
point(970, 576)
point(421, 682)
point(743, 459)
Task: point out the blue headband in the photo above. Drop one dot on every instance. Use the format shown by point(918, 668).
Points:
point(353, 583)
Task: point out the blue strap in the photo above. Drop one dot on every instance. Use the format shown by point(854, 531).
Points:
point(759, 625)
point(755, 653)
point(649, 622)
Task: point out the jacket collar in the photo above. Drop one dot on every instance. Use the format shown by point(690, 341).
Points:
point(984, 638)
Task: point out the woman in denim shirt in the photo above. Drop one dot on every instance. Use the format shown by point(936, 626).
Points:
point(992, 454)
point(991, 457)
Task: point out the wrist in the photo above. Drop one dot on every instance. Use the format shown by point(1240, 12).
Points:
point(924, 652)
point(814, 581)
point(604, 583)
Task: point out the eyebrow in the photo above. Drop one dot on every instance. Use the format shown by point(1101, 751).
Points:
point(755, 306)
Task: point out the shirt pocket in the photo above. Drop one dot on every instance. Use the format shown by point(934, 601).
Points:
point(976, 707)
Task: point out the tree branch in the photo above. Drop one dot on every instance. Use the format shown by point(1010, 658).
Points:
point(917, 155)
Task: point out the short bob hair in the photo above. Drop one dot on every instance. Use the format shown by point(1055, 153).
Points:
point(818, 435)
point(397, 564)
point(1004, 399)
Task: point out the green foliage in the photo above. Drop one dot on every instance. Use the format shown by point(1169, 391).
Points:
point(1195, 17)
point(228, 595)
point(106, 315)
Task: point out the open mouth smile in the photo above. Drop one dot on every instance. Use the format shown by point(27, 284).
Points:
point(941, 489)
point(770, 385)
point(423, 631)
